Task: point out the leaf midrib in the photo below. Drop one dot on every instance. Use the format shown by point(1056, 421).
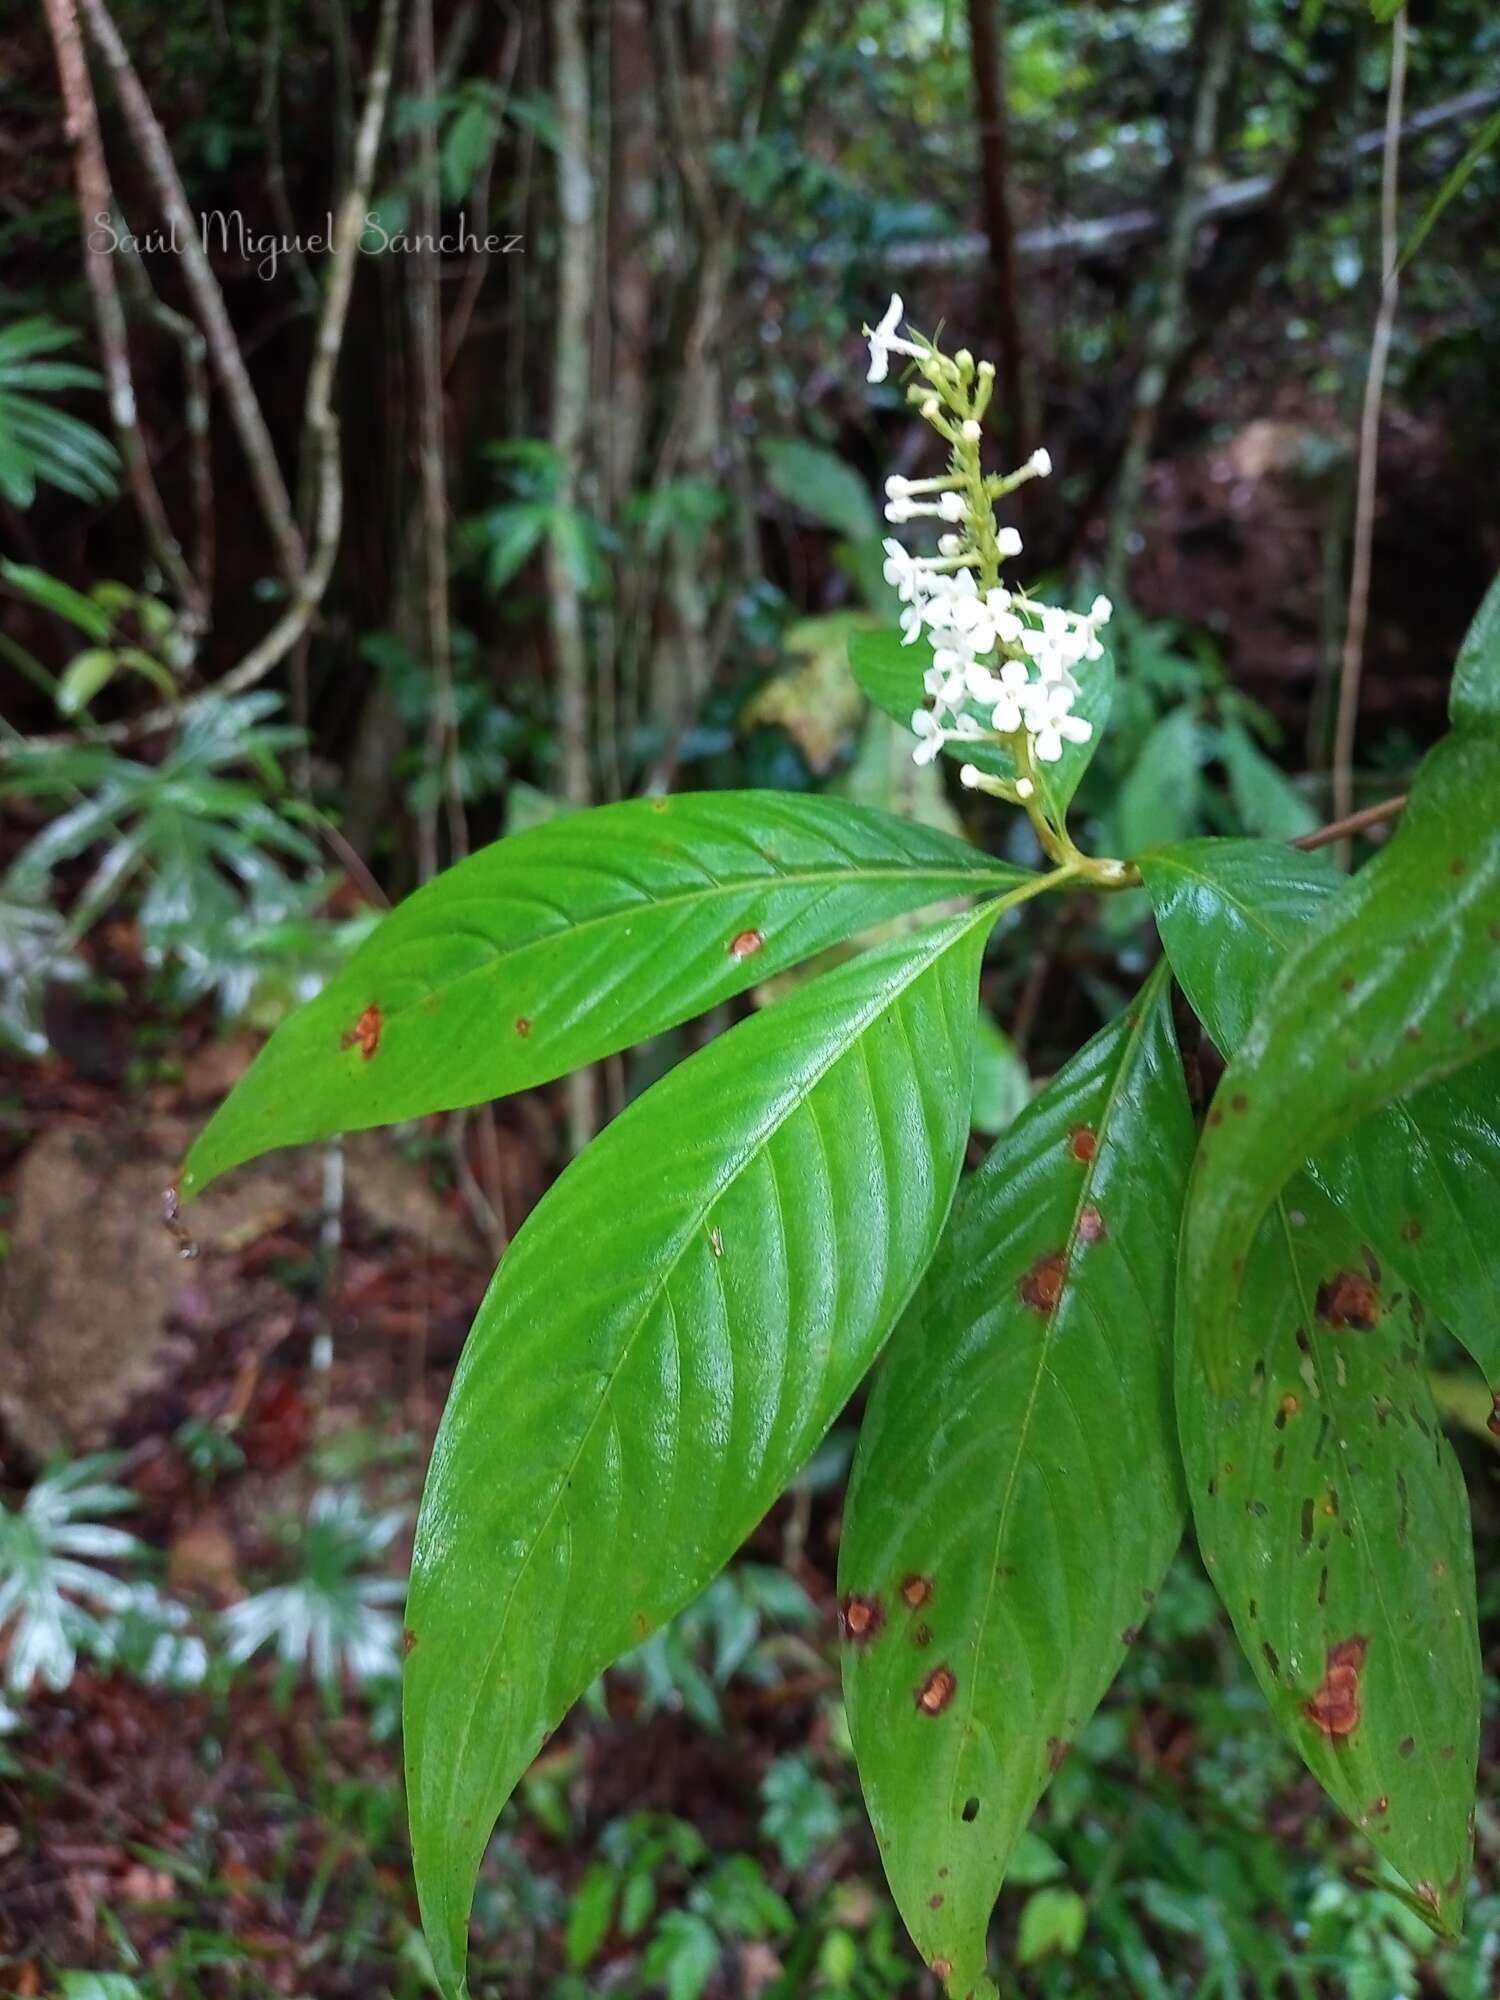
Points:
point(980, 879)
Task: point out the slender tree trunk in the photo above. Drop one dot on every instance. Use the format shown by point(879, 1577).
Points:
point(570, 414)
point(208, 300)
point(987, 28)
point(95, 208)
point(427, 343)
point(1351, 667)
point(1218, 24)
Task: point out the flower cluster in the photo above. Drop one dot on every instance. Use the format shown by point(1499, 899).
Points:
point(993, 648)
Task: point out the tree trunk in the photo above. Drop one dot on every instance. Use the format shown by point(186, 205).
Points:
point(1218, 23)
point(987, 26)
point(570, 414)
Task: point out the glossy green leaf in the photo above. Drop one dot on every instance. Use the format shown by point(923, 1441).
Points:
point(572, 940)
point(1475, 695)
point(1333, 1520)
point(1418, 1176)
point(891, 675)
point(1401, 986)
point(1017, 1495)
point(664, 1345)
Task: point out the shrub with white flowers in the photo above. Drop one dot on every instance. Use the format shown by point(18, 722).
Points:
point(1005, 669)
point(1108, 1323)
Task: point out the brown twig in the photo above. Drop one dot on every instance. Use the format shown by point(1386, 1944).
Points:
point(1352, 823)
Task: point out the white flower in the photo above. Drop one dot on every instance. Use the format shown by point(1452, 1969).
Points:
point(1050, 723)
point(1040, 462)
point(897, 487)
point(952, 506)
point(1024, 788)
point(1008, 541)
point(1101, 611)
point(1006, 715)
point(902, 570)
point(883, 341)
point(970, 430)
point(969, 776)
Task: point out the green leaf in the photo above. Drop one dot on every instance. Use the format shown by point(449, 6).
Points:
point(1016, 1496)
point(1487, 135)
point(572, 940)
point(591, 1914)
point(1417, 1176)
point(1400, 987)
point(666, 1342)
point(59, 598)
point(1333, 1520)
point(1051, 1920)
point(86, 673)
point(1002, 1082)
point(1159, 799)
point(890, 673)
point(1265, 799)
point(822, 485)
point(1475, 695)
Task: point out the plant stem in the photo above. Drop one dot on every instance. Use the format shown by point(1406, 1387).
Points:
point(1352, 823)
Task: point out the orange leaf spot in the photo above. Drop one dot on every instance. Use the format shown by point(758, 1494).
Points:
point(365, 1034)
point(1334, 1709)
point(935, 1693)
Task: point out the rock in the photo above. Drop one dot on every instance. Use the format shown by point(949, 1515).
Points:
point(96, 1304)
point(93, 1276)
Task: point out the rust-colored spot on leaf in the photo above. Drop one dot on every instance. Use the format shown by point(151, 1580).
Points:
point(408, 1641)
point(1458, 866)
point(1334, 1709)
point(1239, 1101)
point(1215, 1116)
point(1041, 1288)
point(942, 1967)
point(922, 1637)
point(1091, 1226)
point(1083, 1142)
point(1287, 1407)
point(1349, 1299)
point(1129, 1636)
point(1057, 1749)
point(862, 1618)
point(1411, 1230)
point(745, 944)
point(915, 1591)
point(1381, 1806)
point(934, 1902)
point(640, 1624)
point(1492, 1424)
point(935, 1693)
point(523, 1026)
point(365, 1034)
